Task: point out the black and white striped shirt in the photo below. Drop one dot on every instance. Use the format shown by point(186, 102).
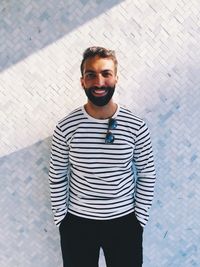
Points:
point(92, 179)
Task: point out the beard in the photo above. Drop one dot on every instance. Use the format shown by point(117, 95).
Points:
point(100, 101)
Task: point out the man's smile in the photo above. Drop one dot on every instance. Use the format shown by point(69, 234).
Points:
point(99, 92)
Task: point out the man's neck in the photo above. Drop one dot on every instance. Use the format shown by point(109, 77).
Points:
point(103, 112)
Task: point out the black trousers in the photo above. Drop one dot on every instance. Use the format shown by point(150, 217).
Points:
point(120, 239)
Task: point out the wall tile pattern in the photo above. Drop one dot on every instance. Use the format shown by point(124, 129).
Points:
point(158, 47)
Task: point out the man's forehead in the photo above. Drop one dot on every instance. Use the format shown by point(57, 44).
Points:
point(94, 63)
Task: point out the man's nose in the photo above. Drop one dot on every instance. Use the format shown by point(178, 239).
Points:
point(99, 81)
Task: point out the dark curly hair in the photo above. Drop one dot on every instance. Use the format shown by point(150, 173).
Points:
point(101, 52)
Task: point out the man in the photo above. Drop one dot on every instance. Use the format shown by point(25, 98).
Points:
point(101, 173)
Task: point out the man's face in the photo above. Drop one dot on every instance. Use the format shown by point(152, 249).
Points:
point(99, 80)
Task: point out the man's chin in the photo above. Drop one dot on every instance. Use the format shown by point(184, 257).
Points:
point(98, 99)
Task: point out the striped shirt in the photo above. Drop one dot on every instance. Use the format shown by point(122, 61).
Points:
point(97, 180)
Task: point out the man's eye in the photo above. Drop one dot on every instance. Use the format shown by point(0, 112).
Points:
point(90, 75)
point(106, 74)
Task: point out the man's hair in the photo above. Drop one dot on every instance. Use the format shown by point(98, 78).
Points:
point(101, 52)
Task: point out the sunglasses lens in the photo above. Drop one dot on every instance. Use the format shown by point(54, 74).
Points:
point(112, 124)
point(109, 138)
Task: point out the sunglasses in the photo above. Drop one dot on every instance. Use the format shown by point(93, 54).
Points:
point(112, 124)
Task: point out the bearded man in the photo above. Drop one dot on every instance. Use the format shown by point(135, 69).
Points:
point(102, 173)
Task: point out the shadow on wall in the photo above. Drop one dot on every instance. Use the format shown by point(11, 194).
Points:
point(27, 226)
point(32, 26)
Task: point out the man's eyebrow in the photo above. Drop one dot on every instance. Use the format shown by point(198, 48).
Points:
point(89, 71)
point(92, 71)
point(107, 70)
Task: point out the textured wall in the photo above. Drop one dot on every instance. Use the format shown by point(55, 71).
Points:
point(158, 47)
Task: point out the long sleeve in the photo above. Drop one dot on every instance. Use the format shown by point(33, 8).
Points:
point(144, 163)
point(58, 175)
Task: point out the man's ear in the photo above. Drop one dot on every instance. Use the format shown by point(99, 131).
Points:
point(82, 82)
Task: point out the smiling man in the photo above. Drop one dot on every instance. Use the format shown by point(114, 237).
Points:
point(97, 198)
point(99, 77)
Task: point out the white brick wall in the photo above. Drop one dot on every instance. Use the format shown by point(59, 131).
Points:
point(158, 48)
point(156, 42)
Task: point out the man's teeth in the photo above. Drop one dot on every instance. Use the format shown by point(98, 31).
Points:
point(99, 91)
